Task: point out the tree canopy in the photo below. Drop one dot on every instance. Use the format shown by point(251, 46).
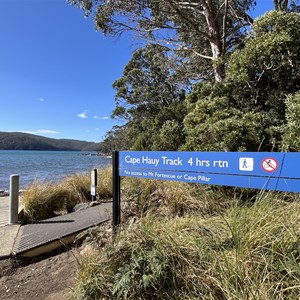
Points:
point(149, 97)
point(201, 30)
point(207, 76)
point(249, 111)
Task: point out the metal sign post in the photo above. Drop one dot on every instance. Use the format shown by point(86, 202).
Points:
point(94, 179)
point(116, 191)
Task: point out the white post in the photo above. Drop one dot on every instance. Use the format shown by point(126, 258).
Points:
point(13, 199)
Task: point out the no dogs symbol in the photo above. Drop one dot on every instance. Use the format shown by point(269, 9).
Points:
point(269, 164)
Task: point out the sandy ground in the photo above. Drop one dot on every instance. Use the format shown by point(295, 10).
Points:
point(50, 277)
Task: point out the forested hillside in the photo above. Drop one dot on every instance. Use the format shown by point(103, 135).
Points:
point(205, 75)
point(25, 141)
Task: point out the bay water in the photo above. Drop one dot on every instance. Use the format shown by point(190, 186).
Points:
point(46, 166)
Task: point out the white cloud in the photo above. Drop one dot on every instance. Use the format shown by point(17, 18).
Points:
point(27, 131)
point(41, 131)
point(103, 118)
point(83, 115)
point(42, 99)
point(47, 131)
point(97, 129)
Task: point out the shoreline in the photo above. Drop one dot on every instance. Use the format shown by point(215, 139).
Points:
point(47, 167)
point(5, 193)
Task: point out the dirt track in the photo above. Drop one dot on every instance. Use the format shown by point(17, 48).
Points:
point(50, 278)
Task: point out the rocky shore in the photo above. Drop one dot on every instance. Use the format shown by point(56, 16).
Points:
point(4, 193)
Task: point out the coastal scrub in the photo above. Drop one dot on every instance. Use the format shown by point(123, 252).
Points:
point(46, 200)
point(248, 251)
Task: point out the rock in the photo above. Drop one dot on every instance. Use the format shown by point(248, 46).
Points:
point(3, 193)
point(80, 206)
point(94, 203)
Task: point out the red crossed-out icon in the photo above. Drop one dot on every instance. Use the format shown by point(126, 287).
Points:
point(269, 164)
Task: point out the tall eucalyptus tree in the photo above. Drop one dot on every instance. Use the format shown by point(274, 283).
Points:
point(204, 31)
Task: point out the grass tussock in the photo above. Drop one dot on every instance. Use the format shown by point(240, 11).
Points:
point(104, 183)
point(185, 241)
point(168, 198)
point(246, 250)
point(45, 200)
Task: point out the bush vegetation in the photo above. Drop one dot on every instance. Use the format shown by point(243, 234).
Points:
point(45, 200)
point(183, 241)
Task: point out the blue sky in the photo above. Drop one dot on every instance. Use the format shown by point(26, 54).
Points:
point(56, 71)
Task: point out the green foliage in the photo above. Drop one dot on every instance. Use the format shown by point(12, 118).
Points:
point(269, 68)
point(269, 64)
point(216, 123)
point(146, 85)
point(150, 100)
point(291, 138)
point(144, 272)
point(171, 135)
point(246, 251)
point(115, 139)
point(140, 144)
point(248, 111)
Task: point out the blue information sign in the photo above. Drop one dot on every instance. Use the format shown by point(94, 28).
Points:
point(260, 170)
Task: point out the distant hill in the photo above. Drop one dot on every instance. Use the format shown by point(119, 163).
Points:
point(26, 141)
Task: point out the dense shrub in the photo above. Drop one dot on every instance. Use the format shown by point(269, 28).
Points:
point(244, 252)
point(291, 138)
point(213, 124)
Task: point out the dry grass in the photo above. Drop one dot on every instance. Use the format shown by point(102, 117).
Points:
point(45, 200)
point(246, 250)
point(169, 198)
point(185, 241)
point(104, 184)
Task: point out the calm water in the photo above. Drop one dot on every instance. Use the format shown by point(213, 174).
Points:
point(45, 165)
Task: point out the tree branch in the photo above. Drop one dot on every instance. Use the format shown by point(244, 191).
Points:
point(225, 26)
point(187, 20)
